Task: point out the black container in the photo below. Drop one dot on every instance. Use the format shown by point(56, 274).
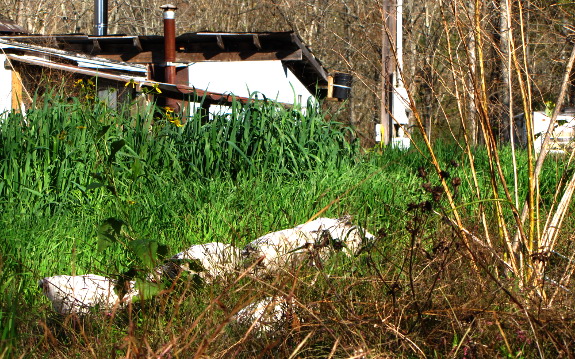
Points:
point(342, 85)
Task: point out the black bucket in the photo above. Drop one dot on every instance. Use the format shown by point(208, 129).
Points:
point(342, 85)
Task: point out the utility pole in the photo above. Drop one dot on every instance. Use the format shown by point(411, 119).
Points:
point(394, 98)
point(400, 98)
point(387, 69)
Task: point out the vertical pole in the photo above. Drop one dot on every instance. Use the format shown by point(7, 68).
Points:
point(384, 115)
point(399, 96)
point(100, 18)
point(16, 91)
point(387, 69)
point(399, 42)
point(170, 49)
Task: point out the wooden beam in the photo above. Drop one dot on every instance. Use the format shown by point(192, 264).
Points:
point(96, 45)
point(150, 57)
point(309, 56)
point(330, 87)
point(16, 91)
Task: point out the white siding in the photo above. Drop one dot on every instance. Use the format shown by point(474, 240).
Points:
point(5, 86)
point(242, 78)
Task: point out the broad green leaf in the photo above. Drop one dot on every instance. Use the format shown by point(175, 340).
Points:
point(94, 185)
point(102, 131)
point(147, 251)
point(147, 290)
point(109, 233)
point(114, 148)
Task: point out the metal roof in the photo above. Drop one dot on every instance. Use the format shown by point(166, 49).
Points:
point(168, 90)
point(195, 47)
point(79, 59)
point(9, 27)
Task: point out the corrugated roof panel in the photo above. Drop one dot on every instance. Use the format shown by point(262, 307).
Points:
point(81, 60)
point(8, 26)
point(168, 90)
point(195, 47)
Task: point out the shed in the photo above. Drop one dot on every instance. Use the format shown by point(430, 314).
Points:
point(276, 65)
point(112, 76)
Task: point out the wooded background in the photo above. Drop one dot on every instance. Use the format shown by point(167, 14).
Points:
point(464, 60)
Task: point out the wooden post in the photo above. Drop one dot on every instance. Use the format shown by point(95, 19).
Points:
point(16, 91)
point(330, 86)
point(387, 68)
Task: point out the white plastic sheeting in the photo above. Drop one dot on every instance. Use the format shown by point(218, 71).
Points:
point(264, 316)
point(314, 240)
point(81, 60)
point(562, 135)
point(217, 260)
point(79, 294)
point(6, 88)
point(307, 241)
point(242, 78)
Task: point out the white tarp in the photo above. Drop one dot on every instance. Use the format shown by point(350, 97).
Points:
point(243, 78)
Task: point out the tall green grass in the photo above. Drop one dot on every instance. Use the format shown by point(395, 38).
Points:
point(67, 165)
point(60, 151)
point(263, 137)
point(71, 164)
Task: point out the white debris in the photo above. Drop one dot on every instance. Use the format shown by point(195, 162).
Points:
point(312, 240)
point(216, 260)
point(264, 316)
point(340, 230)
point(78, 294)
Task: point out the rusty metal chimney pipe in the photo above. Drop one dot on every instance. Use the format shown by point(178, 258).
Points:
point(169, 42)
point(100, 18)
point(170, 49)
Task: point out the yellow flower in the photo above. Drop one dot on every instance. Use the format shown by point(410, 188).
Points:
point(130, 202)
point(157, 88)
point(81, 127)
point(177, 122)
point(62, 135)
point(131, 83)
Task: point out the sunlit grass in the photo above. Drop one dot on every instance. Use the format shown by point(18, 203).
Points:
point(68, 166)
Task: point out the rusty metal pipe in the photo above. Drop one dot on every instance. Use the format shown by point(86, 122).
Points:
point(169, 42)
point(170, 49)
